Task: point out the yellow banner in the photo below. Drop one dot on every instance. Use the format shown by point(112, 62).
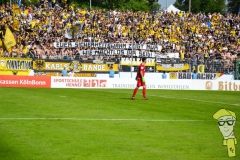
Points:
point(98, 67)
point(18, 73)
point(136, 62)
point(59, 74)
point(16, 9)
point(42, 65)
point(172, 67)
point(15, 64)
point(76, 66)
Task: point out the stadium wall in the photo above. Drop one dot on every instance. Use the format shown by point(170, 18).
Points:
point(130, 83)
point(117, 83)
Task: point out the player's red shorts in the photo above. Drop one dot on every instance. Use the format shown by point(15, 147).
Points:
point(140, 83)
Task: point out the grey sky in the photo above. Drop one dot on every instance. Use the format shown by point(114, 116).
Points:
point(166, 2)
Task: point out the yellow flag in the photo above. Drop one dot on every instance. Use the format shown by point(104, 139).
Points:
point(9, 39)
point(25, 50)
point(33, 23)
point(9, 50)
point(26, 11)
point(71, 7)
point(16, 25)
point(16, 9)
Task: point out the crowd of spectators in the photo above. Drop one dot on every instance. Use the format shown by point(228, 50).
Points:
point(198, 38)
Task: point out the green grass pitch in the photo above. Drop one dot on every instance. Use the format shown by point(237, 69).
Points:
point(104, 124)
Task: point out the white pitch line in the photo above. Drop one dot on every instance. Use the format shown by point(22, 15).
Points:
point(106, 119)
point(190, 99)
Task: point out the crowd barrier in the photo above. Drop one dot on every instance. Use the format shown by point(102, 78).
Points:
point(116, 83)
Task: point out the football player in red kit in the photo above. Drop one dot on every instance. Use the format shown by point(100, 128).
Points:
point(140, 79)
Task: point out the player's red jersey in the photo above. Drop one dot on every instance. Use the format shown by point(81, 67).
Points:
point(142, 69)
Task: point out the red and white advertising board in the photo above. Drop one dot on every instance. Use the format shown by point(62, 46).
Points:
point(25, 81)
point(75, 82)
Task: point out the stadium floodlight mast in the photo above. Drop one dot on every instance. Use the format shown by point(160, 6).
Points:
point(190, 3)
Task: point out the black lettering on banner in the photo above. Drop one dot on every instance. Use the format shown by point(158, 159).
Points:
point(118, 45)
point(98, 44)
point(84, 52)
point(102, 45)
point(144, 54)
point(136, 46)
point(93, 44)
point(199, 76)
point(106, 45)
point(203, 76)
point(214, 75)
point(122, 52)
point(111, 52)
point(149, 54)
point(148, 47)
point(134, 53)
point(180, 75)
point(130, 46)
point(97, 52)
point(60, 45)
point(184, 76)
point(118, 52)
point(76, 45)
point(100, 51)
point(208, 76)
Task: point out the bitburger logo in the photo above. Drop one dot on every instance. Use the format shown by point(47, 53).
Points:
point(76, 66)
point(208, 85)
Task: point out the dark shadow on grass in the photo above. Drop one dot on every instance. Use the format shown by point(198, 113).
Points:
point(127, 98)
point(131, 99)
